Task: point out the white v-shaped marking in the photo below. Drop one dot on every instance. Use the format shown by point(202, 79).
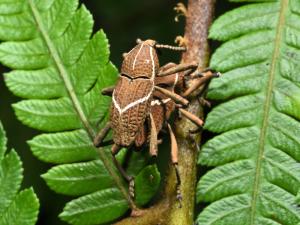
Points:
point(131, 104)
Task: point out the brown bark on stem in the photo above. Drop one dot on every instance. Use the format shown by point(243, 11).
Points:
point(167, 212)
point(198, 21)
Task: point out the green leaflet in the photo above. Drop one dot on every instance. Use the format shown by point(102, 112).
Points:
point(146, 184)
point(23, 210)
point(16, 208)
point(63, 147)
point(96, 208)
point(3, 141)
point(59, 67)
point(256, 154)
point(78, 178)
point(11, 168)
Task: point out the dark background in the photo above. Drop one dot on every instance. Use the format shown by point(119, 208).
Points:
point(123, 22)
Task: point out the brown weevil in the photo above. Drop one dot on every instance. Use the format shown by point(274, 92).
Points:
point(134, 98)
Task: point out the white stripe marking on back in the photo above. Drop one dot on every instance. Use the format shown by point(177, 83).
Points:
point(153, 65)
point(134, 61)
point(131, 104)
point(157, 102)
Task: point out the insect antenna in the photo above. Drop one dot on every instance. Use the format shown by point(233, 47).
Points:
point(175, 48)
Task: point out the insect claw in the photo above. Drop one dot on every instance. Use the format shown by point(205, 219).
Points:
point(182, 42)
point(203, 79)
point(217, 74)
point(131, 187)
point(178, 183)
point(180, 10)
point(179, 198)
point(204, 102)
point(214, 72)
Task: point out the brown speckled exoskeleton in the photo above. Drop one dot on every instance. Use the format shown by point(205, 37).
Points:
point(134, 100)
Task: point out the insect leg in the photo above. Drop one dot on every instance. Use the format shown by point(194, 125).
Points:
point(173, 95)
point(98, 141)
point(153, 137)
point(178, 68)
point(167, 66)
point(174, 147)
point(204, 102)
point(101, 135)
point(106, 143)
point(202, 78)
point(174, 157)
point(108, 90)
point(168, 80)
point(195, 119)
point(114, 150)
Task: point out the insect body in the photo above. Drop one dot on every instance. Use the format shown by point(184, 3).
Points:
point(143, 100)
point(132, 95)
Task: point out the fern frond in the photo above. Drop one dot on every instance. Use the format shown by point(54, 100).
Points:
point(60, 69)
point(16, 208)
point(78, 178)
point(256, 152)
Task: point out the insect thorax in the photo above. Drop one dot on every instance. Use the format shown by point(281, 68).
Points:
point(141, 61)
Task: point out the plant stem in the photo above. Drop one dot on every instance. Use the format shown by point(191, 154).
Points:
point(198, 21)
